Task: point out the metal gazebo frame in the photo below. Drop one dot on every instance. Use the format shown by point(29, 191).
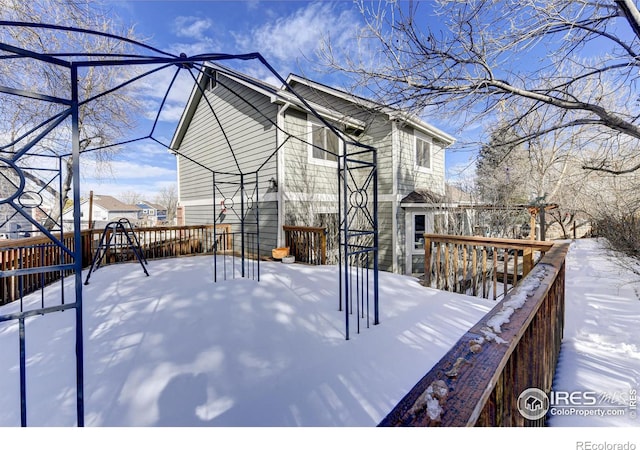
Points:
point(356, 173)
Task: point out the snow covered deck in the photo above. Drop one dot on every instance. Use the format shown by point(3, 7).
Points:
point(176, 349)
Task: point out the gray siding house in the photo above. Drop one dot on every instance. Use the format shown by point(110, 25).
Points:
point(270, 129)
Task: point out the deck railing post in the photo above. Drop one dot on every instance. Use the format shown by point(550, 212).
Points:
point(307, 244)
point(527, 261)
point(427, 261)
point(323, 247)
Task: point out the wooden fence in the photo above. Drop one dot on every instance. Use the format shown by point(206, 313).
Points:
point(30, 253)
point(513, 348)
point(155, 242)
point(479, 266)
point(307, 244)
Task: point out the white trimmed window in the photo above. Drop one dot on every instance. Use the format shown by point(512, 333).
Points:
point(423, 153)
point(322, 138)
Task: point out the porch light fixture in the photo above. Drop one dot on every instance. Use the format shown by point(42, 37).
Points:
point(273, 184)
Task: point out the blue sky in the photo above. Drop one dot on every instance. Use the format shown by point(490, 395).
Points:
point(286, 33)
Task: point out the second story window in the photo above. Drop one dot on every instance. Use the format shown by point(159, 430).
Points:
point(211, 81)
point(423, 153)
point(322, 138)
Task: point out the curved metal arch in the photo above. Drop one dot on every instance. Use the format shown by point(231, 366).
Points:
point(9, 23)
point(356, 258)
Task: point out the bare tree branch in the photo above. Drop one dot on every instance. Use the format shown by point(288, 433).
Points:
point(470, 59)
point(630, 12)
point(104, 120)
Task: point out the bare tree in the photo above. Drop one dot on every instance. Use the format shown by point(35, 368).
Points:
point(615, 202)
point(546, 168)
point(475, 57)
point(168, 197)
point(130, 197)
point(103, 120)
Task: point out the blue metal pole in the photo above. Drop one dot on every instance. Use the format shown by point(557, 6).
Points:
point(242, 218)
point(77, 237)
point(62, 253)
point(23, 374)
point(215, 237)
point(258, 222)
point(340, 296)
point(345, 231)
point(376, 315)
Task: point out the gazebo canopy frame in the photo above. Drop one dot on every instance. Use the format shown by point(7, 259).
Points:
point(23, 156)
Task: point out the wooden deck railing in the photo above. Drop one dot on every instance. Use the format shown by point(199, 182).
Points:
point(169, 242)
point(307, 244)
point(156, 242)
point(513, 348)
point(31, 253)
point(479, 266)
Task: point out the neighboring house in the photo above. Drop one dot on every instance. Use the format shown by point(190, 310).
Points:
point(14, 224)
point(298, 186)
point(151, 214)
point(105, 209)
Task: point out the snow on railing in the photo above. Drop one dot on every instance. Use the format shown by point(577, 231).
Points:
point(515, 347)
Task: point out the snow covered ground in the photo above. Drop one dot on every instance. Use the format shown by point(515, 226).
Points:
point(176, 349)
point(600, 354)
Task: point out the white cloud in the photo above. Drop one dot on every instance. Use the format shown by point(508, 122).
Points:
point(152, 89)
point(147, 190)
point(172, 113)
point(130, 170)
point(300, 34)
point(134, 170)
point(145, 178)
point(191, 26)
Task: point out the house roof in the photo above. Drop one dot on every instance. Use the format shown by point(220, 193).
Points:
point(452, 195)
point(286, 96)
point(112, 204)
point(423, 196)
point(392, 113)
point(276, 95)
point(198, 88)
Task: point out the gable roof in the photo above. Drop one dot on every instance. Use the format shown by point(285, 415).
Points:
point(112, 204)
point(392, 113)
point(453, 195)
point(285, 96)
point(422, 197)
point(277, 95)
point(199, 87)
